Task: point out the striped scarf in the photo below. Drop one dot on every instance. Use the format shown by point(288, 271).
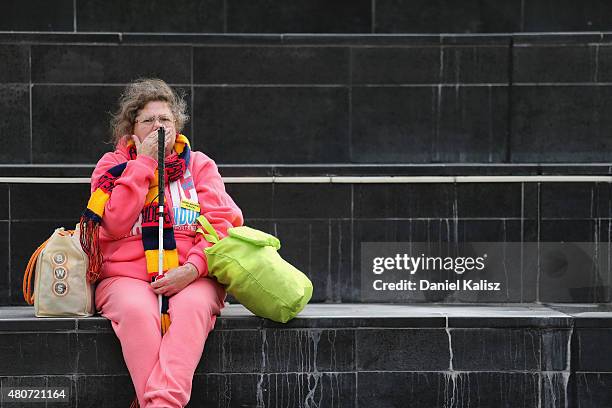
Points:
point(92, 217)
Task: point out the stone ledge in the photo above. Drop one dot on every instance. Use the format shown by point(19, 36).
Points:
point(411, 39)
point(343, 169)
point(363, 315)
point(343, 355)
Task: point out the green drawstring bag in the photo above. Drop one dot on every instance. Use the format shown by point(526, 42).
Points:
point(248, 264)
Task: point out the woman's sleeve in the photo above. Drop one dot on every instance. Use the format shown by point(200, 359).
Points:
point(129, 193)
point(215, 204)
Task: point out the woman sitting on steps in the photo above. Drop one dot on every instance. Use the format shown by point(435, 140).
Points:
point(122, 234)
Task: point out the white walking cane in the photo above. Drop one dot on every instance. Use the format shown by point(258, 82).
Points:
point(161, 144)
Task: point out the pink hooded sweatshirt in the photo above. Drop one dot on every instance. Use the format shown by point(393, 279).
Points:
point(120, 232)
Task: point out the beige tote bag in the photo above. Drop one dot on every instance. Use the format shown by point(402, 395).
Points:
point(60, 287)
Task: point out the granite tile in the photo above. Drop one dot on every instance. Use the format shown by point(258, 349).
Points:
point(555, 353)
point(476, 64)
point(593, 350)
point(603, 55)
point(31, 356)
point(575, 271)
point(402, 350)
point(393, 125)
point(419, 200)
point(593, 389)
point(233, 351)
point(216, 38)
point(14, 63)
point(306, 245)
point(394, 65)
point(4, 202)
point(568, 230)
point(472, 124)
point(428, 124)
point(110, 64)
point(302, 16)
point(37, 324)
point(537, 64)
point(15, 123)
point(555, 16)
point(93, 391)
point(254, 199)
point(84, 107)
point(496, 350)
point(100, 353)
point(380, 389)
point(275, 390)
point(489, 200)
point(295, 200)
point(574, 200)
point(502, 230)
point(97, 323)
point(572, 129)
point(38, 15)
point(260, 125)
point(421, 16)
point(498, 389)
point(48, 37)
point(271, 65)
point(182, 16)
point(5, 256)
point(308, 351)
point(555, 390)
point(68, 201)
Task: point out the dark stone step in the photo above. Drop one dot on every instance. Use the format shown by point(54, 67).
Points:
point(367, 39)
point(324, 237)
point(344, 355)
point(455, 98)
point(341, 16)
point(445, 39)
point(323, 170)
point(212, 39)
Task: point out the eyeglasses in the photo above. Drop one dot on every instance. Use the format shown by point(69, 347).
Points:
point(150, 121)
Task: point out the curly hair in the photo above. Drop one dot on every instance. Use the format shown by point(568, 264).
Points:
point(134, 98)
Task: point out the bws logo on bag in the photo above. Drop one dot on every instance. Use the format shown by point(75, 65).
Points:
point(59, 287)
point(60, 272)
point(59, 258)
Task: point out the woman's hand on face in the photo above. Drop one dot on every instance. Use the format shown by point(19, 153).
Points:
point(175, 280)
point(148, 146)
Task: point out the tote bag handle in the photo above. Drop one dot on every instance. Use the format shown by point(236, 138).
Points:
point(208, 232)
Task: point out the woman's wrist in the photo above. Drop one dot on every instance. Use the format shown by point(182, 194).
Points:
point(193, 269)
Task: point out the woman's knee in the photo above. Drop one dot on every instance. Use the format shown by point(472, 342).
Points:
point(123, 292)
point(134, 302)
point(138, 313)
point(203, 295)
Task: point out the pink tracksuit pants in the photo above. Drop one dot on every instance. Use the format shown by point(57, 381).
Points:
point(161, 368)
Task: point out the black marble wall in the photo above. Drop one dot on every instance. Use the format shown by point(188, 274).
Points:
point(318, 99)
point(306, 16)
point(322, 226)
point(521, 356)
point(257, 100)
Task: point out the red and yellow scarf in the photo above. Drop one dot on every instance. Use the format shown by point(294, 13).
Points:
point(92, 217)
